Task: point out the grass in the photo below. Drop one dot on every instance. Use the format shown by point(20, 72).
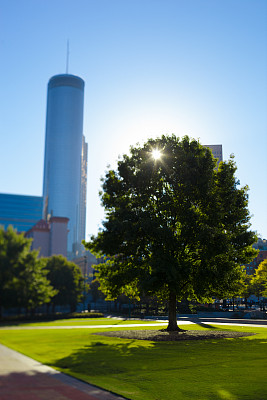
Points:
point(220, 369)
point(74, 321)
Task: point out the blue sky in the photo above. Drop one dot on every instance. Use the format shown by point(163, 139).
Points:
point(151, 67)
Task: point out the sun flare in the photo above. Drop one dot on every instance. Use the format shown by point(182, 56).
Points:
point(156, 154)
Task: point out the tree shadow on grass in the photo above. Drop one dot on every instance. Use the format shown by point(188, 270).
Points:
point(148, 367)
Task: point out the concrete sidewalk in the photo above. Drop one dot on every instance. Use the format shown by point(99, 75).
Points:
point(22, 378)
point(181, 321)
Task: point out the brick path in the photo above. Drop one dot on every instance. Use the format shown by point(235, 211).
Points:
point(22, 378)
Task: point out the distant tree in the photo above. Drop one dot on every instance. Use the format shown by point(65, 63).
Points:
point(238, 287)
point(94, 290)
point(23, 280)
point(13, 249)
point(259, 280)
point(247, 289)
point(33, 288)
point(66, 277)
point(175, 226)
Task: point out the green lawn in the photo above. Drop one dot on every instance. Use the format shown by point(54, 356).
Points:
point(228, 369)
point(78, 321)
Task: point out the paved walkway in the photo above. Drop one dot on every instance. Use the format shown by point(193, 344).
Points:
point(181, 321)
point(22, 378)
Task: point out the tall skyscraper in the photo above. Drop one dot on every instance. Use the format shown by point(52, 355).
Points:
point(217, 152)
point(65, 164)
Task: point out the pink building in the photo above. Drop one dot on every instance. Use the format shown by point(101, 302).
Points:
point(51, 237)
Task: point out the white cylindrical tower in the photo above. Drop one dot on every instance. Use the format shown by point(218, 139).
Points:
point(63, 151)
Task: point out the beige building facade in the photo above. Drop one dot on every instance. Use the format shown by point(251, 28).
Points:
point(51, 237)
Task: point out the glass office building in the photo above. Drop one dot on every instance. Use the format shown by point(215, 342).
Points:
point(65, 175)
point(83, 190)
point(22, 212)
point(217, 152)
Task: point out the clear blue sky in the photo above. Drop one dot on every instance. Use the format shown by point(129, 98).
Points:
point(151, 67)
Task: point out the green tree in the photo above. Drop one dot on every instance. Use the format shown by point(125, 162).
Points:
point(13, 249)
point(23, 280)
point(246, 290)
point(240, 286)
point(33, 289)
point(259, 280)
point(66, 278)
point(175, 227)
point(94, 290)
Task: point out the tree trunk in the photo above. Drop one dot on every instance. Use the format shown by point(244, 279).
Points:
point(172, 313)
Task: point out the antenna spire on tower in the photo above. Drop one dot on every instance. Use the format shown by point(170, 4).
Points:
point(67, 60)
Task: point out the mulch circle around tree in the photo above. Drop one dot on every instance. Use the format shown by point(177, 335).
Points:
point(163, 335)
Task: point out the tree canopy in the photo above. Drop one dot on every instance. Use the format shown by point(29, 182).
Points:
point(66, 277)
point(175, 227)
point(259, 280)
point(23, 281)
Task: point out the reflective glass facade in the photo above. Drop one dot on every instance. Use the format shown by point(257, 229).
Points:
point(83, 190)
point(217, 152)
point(22, 212)
point(63, 154)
